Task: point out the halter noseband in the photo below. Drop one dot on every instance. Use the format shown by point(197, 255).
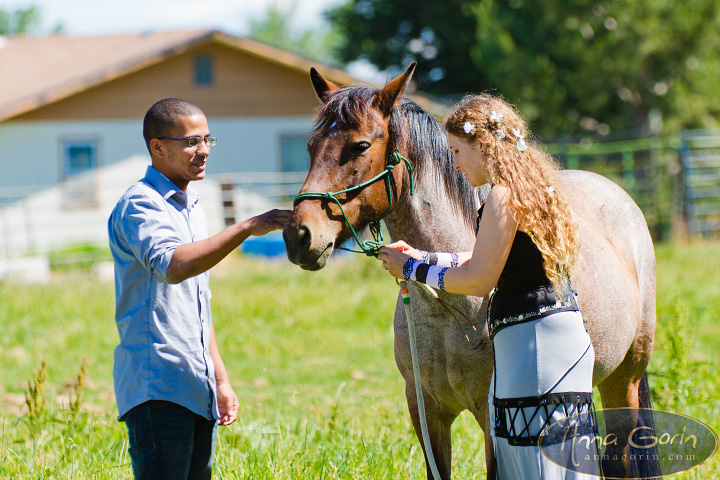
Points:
point(368, 247)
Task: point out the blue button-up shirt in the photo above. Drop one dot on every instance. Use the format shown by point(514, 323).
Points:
point(164, 328)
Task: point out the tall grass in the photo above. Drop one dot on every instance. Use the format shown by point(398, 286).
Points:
point(311, 359)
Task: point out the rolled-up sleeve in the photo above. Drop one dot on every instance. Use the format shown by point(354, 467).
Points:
point(146, 231)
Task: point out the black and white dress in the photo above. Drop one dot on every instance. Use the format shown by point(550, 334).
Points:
point(542, 371)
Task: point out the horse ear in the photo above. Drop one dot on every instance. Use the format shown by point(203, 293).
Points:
point(389, 97)
point(322, 87)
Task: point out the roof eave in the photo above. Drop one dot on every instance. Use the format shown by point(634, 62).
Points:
point(62, 92)
point(249, 46)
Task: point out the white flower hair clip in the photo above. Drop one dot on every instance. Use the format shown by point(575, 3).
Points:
point(521, 140)
point(495, 116)
point(468, 127)
point(500, 134)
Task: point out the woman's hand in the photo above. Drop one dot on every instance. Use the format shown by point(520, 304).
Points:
point(394, 256)
point(403, 247)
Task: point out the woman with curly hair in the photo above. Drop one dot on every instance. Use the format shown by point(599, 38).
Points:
point(526, 247)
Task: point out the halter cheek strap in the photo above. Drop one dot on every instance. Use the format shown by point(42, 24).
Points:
point(368, 247)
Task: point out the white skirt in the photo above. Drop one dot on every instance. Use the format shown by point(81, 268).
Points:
point(551, 354)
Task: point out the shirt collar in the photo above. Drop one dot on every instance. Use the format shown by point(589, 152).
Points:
point(168, 189)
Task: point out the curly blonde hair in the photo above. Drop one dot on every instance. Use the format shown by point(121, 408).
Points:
point(530, 174)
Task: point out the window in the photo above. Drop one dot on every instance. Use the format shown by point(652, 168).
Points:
point(293, 150)
point(203, 70)
point(79, 165)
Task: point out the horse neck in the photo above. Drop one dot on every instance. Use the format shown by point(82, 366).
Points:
point(427, 220)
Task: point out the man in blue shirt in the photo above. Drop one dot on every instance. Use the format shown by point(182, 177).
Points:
point(171, 385)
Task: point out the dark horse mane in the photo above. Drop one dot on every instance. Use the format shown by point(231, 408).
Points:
point(427, 145)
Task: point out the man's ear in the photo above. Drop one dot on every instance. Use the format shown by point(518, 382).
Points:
point(157, 148)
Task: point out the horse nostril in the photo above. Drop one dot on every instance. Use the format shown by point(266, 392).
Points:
point(304, 237)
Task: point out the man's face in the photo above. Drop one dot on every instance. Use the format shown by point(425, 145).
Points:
point(176, 159)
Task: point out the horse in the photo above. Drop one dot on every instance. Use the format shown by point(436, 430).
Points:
point(358, 131)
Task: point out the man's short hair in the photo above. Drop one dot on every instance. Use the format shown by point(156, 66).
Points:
point(161, 118)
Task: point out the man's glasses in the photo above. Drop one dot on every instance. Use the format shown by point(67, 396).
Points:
point(193, 141)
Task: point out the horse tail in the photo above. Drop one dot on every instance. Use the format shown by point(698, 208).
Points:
point(645, 464)
point(644, 393)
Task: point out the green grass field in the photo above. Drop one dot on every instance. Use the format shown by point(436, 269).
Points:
point(311, 359)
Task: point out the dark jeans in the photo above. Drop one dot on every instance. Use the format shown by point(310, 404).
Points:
point(170, 442)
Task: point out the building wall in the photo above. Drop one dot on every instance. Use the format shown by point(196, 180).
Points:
point(244, 86)
point(33, 150)
point(35, 147)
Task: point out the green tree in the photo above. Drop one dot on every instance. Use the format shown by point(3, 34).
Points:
point(278, 29)
point(19, 21)
point(573, 66)
point(392, 33)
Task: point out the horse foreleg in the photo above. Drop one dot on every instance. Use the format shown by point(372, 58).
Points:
point(439, 423)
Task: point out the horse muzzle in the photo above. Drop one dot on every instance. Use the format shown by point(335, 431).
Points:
point(308, 244)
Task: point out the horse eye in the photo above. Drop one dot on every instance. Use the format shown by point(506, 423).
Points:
point(361, 147)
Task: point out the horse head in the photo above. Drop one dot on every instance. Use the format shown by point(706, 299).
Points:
point(352, 182)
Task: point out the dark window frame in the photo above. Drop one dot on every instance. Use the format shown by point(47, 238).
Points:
point(79, 182)
point(204, 70)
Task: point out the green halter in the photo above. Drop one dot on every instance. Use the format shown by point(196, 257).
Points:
point(368, 247)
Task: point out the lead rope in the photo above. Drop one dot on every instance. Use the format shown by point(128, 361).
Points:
point(416, 375)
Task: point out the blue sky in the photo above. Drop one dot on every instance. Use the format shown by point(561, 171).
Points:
point(100, 17)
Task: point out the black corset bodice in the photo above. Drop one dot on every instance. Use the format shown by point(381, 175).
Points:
point(524, 266)
point(523, 291)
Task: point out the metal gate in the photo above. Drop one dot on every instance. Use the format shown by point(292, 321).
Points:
point(700, 159)
point(643, 166)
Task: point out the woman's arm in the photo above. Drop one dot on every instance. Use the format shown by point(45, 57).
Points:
point(417, 254)
point(492, 247)
point(481, 271)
